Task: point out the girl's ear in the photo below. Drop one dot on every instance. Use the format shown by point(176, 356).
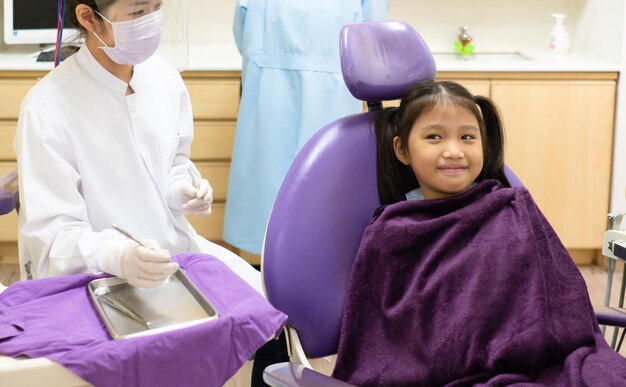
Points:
point(400, 151)
point(86, 17)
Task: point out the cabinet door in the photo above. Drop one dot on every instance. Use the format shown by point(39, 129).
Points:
point(13, 91)
point(213, 140)
point(559, 136)
point(7, 133)
point(214, 98)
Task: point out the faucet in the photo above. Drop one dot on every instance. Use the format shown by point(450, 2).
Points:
point(463, 46)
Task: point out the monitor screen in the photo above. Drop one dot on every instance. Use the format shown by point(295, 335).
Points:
point(33, 22)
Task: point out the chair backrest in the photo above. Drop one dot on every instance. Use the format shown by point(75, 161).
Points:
point(330, 193)
point(8, 193)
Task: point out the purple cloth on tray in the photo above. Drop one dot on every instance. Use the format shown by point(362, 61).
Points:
point(60, 323)
point(473, 289)
point(7, 201)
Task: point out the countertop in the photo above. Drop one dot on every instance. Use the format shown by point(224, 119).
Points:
point(225, 57)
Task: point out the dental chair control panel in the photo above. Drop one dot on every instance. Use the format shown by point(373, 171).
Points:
point(614, 241)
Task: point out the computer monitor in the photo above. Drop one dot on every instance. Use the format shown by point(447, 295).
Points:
point(33, 22)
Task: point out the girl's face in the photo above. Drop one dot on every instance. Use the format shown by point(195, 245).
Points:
point(444, 151)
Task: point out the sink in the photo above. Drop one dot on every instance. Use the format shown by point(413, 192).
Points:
point(481, 57)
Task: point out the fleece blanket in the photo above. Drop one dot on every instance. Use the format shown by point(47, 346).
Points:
point(472, 289)
point(54, 318)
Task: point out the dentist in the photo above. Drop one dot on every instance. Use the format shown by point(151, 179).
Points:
point(105, 138)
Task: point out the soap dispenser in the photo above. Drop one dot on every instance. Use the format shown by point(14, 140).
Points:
point(559, 38)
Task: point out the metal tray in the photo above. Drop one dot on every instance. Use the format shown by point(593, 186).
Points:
point(175, 304)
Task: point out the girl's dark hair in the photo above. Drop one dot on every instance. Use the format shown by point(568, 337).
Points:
point(394, 178)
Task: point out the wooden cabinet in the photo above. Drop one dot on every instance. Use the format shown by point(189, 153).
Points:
point(559, 132)
point(215, 101)
point(559, 142)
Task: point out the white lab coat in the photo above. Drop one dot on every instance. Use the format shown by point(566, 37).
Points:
point(89, 155)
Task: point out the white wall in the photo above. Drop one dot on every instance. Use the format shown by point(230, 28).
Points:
point(495, 25)
point(618, 191)
point(210, 21)
point(600, 28)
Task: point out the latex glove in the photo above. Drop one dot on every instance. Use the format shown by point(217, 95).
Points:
point(194, 200)
point(140, 266)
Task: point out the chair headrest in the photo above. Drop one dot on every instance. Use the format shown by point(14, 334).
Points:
point(380, 60)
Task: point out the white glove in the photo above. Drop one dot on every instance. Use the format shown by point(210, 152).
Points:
point(193, 200)
point(140, 266)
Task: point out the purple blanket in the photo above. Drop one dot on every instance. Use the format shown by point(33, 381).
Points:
point(474, 289)
point(54, 318)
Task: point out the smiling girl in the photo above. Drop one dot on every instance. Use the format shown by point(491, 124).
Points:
point(438, 143)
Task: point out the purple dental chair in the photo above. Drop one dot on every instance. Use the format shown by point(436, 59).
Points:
point(328, 197)
point(8, 193)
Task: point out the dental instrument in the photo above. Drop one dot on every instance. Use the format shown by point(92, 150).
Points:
point(122, 307)
point(128, 235)
point(194, 179)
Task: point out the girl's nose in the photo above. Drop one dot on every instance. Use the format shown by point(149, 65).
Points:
point(453, 151)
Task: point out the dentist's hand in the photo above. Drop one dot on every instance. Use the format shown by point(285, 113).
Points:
point(194, 200)
point(141, 266)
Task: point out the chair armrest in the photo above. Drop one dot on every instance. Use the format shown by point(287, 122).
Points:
point(610, 316)
point(293, 374)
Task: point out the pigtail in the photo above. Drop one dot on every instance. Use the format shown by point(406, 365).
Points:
point(493, 142)
point(388, 167)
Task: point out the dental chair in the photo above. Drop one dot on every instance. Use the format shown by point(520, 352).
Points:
point(8, 198)
point(8, 193)
point(328, 197)
point(614, 248)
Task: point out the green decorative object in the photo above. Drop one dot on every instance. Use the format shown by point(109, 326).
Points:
point(463, 45)
point(463, 49)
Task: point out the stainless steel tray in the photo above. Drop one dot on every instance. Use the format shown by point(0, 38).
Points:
point(175, 304)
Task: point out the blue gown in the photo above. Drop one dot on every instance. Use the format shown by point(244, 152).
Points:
point(291, 87)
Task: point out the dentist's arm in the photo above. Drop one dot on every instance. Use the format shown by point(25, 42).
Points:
point(187, 192)
point(54, 231)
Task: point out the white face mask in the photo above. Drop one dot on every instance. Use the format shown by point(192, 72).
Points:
point(135, 40)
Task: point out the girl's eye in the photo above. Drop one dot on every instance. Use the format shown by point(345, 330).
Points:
point(467, 137)
point(433, 137)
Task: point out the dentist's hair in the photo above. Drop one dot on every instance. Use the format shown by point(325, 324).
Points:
point(71, 10)
point(394, 178)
